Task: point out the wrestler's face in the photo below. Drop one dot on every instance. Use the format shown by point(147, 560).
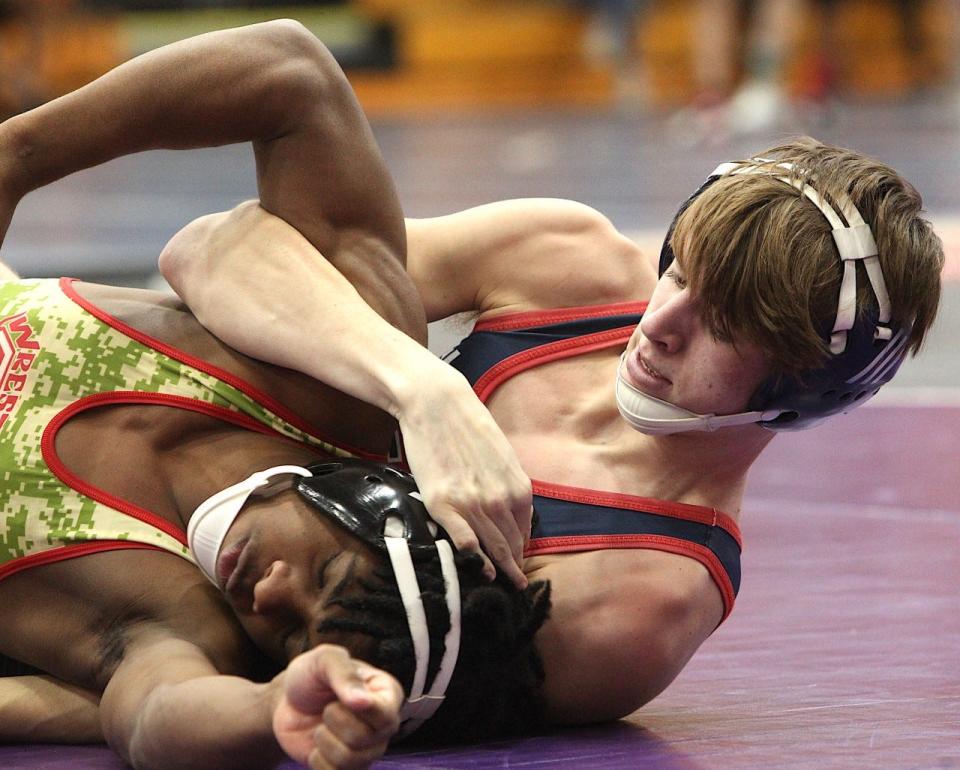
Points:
point(673, 355)
point(283, 564)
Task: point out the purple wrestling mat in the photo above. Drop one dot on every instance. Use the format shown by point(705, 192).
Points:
point(616, 747)
point(842, 651)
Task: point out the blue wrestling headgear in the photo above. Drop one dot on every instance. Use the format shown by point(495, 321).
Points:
point(866, 349)
point(381, 506)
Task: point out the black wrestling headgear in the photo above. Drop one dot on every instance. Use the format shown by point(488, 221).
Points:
point(371, 501)
point(381, 506)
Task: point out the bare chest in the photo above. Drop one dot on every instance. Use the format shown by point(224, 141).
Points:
point(561, 418)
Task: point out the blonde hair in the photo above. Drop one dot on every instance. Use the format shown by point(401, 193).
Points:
point(762, 259)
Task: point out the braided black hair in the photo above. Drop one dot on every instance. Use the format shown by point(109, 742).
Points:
point(496, 689)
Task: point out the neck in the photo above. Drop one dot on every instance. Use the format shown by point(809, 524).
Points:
point(700, 468)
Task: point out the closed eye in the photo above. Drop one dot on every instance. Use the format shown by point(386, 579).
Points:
point(678, 279)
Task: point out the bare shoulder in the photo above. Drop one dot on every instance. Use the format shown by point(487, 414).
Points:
point(573, 255)
point(525, 253)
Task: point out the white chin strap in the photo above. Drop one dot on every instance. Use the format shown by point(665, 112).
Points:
point(420, 706)
point(212, 519)
point(659, 418)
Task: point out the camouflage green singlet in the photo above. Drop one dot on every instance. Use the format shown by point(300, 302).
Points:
point(60, 355)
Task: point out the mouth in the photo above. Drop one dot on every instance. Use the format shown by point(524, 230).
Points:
point(227, 562)
point(239, 574)
point(646, 374)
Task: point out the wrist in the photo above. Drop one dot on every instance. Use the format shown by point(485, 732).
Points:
point(271, 695)
point(400, 381)
point(421, 388)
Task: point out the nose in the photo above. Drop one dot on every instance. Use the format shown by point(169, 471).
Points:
point(275, 591)
point(665, 324)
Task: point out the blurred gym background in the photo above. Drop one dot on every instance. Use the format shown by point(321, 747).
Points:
point(417, 55)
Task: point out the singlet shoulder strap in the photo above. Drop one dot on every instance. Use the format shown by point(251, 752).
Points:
point(500, 347)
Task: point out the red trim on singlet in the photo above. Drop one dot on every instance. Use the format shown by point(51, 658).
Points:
point(491, 379)
point(532, 318)
point(263, 399)
point(62, 553)
point(60, 470)
point(698, 513)
point(702, 554)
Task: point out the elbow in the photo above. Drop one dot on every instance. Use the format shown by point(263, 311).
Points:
point(183, 261)
point(645, 670)
point(170, 265)
point(175, 259)
point(303, 73)
point(124, 732)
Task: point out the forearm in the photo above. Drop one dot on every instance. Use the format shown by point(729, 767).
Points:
point(40, 709)
point(235, 85)
point(203, 723)
point(262, 288)
point(318, 322)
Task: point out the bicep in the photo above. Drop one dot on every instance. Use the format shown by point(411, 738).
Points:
point(605, 668)
point(326, 176)
point(156, 709)
point(537, 252)
point(156, 663)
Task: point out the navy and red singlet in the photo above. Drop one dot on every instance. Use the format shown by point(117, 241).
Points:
point(570, 519)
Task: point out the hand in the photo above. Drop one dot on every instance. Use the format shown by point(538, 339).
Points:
point(469, 475)
point(336, 712)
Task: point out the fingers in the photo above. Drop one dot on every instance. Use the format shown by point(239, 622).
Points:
point(506, 551)
point(337, 712)
point(501, 539)
point(331, 752)
point(355, 734)
point(462, 535)
point(327, 672)
point(523, 515)
point(308, 684)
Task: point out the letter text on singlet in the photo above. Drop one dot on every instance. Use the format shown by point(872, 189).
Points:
point(16, 340)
